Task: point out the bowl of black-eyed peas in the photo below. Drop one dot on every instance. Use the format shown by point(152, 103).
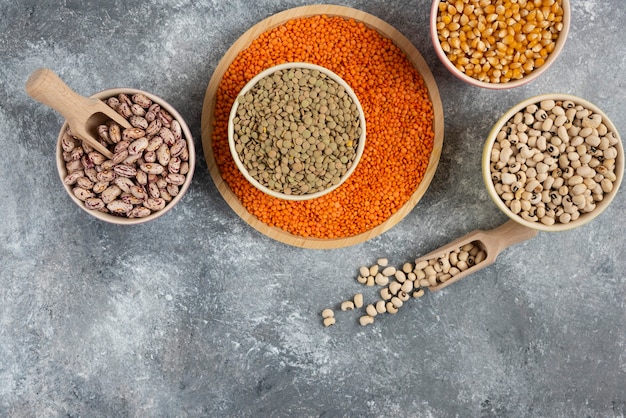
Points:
point(553, 162)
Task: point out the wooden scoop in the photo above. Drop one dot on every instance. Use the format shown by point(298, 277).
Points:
point(83, 115)
point(493, 242)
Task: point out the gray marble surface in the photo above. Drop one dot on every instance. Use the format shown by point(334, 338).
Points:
point(198, 314)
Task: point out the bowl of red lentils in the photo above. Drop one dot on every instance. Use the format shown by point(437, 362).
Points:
point(296, 131)
point(553, 162)
point(499, 44)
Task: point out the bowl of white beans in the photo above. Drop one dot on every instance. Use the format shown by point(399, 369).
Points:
point(296, 131)
point(152, 164)
point(498, 45)
point(553, 162)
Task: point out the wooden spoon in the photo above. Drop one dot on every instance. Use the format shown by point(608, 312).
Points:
point(83, 115)
point(493, 242)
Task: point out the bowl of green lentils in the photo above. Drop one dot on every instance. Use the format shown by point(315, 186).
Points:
point(296, 131)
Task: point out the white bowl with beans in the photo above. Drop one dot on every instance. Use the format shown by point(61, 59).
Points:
point(151, 168)
point(499, 45)
point(553, 162)
point(296, 131)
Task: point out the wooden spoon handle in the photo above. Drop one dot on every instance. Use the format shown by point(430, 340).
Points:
point(46, 87)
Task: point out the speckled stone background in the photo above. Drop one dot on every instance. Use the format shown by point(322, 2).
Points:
point(198, 314)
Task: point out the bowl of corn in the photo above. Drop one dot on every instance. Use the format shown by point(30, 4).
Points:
point(499, 44)
point(296, 131)
point(553, 162)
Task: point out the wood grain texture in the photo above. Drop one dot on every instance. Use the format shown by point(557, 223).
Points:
point(242, 43)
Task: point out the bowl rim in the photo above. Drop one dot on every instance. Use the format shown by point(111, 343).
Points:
point(584, 218)
point(250, 84)
point(552, 57)
point(119, 220)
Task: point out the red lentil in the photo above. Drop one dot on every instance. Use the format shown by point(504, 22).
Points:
point(398, 113)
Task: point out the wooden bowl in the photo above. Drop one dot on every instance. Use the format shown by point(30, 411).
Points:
point(242, 43)
point(250, 85)
point(584, 217)
point(527, 78)
point(114, 219)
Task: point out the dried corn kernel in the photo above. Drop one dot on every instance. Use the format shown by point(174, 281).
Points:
point(500, 33)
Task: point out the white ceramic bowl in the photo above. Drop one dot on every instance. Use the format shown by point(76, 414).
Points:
point(250, 85)
point(120, 220)
point(584, 217)
point(551, 58)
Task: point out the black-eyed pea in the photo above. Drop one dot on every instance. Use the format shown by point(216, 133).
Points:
point(329, 321)
point(403, 296)
point(385, 294)
point(407, 286)
point(480, 257)
point(419, 275)
point(394, 287)
point(565, 218)
point(430, 271)
point(418, 293)
point(389, 271)
point(411, 276)
point(607, 185)
point(391, 308)
point(371, 281)
point(432, 280)
point(328, 313)
point(371, 310)
point(381, 280)
point(421, 265)
point(382, 262)
point(462, 265)
point(454, 271)
point(400, 276)
point(347, 305)
point(366, 320)
point(361, 279)
point(444, 277)
point(364, 271)
point(515, 206)
point(425, 282)
point(358, 300)
point(381, 306)
point(373, 270)
point(397, 302)
point(407, 268)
